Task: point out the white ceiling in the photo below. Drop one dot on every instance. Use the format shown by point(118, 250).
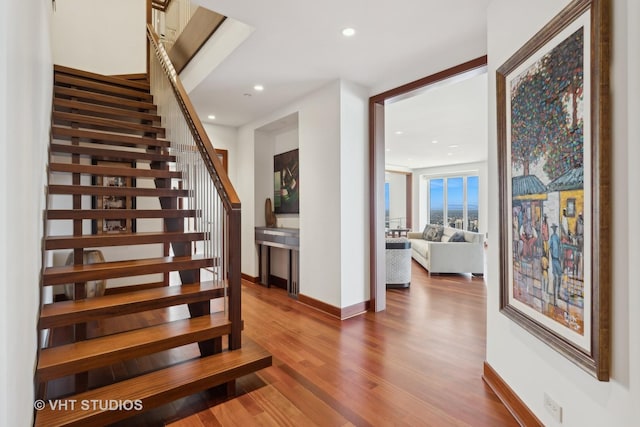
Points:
point(445, 124)
point(297, 47)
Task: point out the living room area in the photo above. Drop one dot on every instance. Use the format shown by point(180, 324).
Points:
point(435, 149)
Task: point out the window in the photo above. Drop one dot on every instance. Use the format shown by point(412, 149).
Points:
point(436, 201)
point(472, 203)
point(453, 201)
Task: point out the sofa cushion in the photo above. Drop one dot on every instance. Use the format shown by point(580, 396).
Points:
point(420, 246)
point(458, 236)
point(433, 233)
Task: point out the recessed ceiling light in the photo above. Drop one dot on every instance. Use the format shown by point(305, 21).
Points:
point(453, 146)
point(399, 132)
point(211, 117)
point(434, 141)
point(348, 32)
point(258, 88)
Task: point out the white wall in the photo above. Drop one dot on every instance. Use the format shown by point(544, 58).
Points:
point(318, 127)
point(419, 190)
point(225, 138)
point(119, 47)
point(25, 111)
point(324, 159)
point(530, 367)
point(268, 144)
point(354, 193)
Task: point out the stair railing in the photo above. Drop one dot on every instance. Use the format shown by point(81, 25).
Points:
point(210, 189)
point(161, 5)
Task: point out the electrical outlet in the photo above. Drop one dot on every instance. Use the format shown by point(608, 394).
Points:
point(553, 408)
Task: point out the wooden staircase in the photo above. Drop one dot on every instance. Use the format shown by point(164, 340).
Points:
point(98, 119)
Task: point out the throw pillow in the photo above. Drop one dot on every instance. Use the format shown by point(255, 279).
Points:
point(433, 233)
point(426, 231)
point(458, 236)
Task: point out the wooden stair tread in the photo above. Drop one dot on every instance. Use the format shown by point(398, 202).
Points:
point(98, 170)
point(96, 137)
point(61, 117)
point(120, 213)
point(88, 107)
point(163, 386)
point(97, 190)
point(67, 80)
point(57, 362)
point(103, 240)
point(111, 154)
point(109, 270)
point(116, 101)
point(70, 312)
point(143, 86)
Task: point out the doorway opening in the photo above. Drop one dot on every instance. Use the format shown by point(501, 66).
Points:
point(378, 135)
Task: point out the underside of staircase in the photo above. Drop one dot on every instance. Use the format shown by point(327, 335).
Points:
point(108, 148)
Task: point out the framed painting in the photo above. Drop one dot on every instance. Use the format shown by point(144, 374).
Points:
point(554, 173)
point(286, 183)
point(113, 225)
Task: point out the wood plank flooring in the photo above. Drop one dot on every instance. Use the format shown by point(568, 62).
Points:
point(419, 363)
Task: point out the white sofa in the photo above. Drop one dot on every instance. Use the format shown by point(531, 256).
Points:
point(449, 257)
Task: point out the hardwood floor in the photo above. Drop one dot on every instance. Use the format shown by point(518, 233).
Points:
point(419, 363)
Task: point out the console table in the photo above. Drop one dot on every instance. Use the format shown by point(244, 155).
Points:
point(283, 238)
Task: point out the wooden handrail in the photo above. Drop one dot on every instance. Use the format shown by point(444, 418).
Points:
point(161, 5)
point(220, 179)
point(214, 165)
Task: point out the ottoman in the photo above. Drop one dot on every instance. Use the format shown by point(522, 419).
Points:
point(398, 262)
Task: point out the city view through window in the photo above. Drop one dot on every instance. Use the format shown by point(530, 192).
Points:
point(448, 199)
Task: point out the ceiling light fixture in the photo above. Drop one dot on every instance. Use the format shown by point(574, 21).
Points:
point(399, 132)
point(434, 141)
point(348, 32)
point(211, 117)
point(258, 88)
point(453, 146)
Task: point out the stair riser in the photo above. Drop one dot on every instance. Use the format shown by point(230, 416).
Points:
point(114, 80)
point(85, 108)
point(161, 387)
point(112, 273)
point(124, 213)
point(107, 240)
point(104, 154)
point(116, 191)
point(109, 171)
point(102, 99)
point(70, 81)
point(91, 122)
point(97, 137)
point(128, 307)
point(107, 358)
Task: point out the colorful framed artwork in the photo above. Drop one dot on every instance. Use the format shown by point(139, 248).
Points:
point(113, 201)
point(554, 173)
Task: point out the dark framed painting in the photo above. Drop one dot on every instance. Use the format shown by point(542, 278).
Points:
point(286, 183)
point(554, 173)
point(115, 201)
